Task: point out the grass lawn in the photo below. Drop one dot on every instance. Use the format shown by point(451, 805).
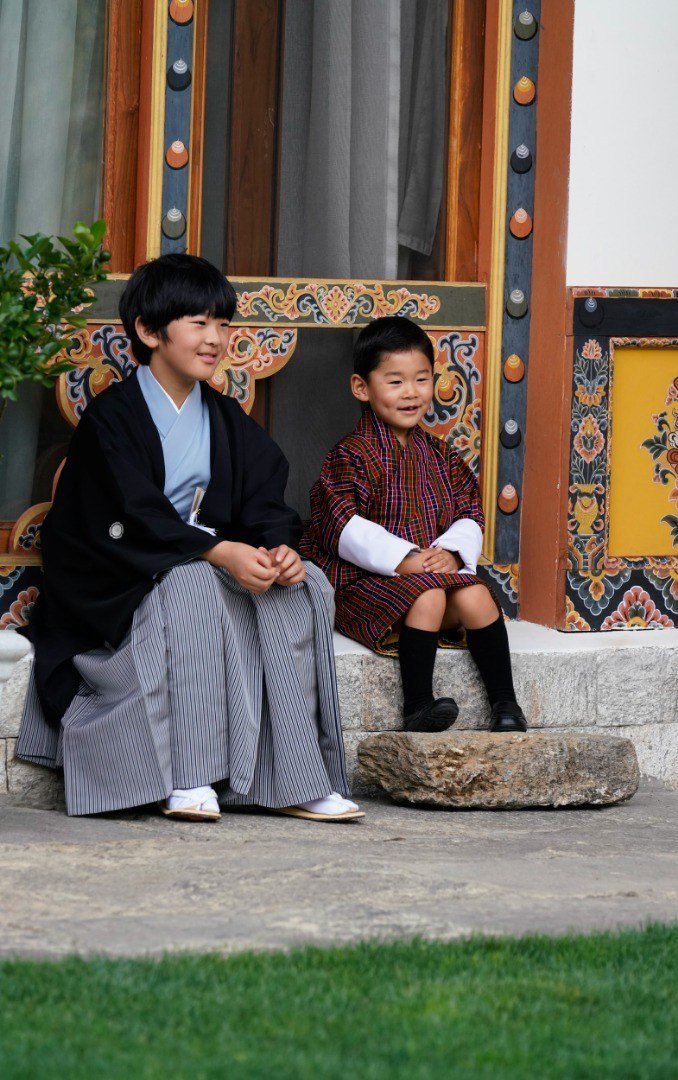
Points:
point(600, 1006)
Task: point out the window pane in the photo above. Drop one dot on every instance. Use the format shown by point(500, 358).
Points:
point(51, 114)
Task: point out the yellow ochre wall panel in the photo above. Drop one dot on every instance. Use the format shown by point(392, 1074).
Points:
point(643, 387)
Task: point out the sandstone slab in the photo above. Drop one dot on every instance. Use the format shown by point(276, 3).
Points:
point(481, 770)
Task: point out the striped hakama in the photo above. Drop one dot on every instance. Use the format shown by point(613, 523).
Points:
point(212, 685)
point(416, 493)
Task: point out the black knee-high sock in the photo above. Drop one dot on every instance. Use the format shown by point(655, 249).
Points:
point(490, 649)
point(417, 654)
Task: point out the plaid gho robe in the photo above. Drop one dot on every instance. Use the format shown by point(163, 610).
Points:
point(416, 492)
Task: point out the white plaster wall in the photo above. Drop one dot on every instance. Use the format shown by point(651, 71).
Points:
point(623, 207)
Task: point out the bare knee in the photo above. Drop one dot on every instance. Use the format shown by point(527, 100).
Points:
point(474, 606)
point(427, 610)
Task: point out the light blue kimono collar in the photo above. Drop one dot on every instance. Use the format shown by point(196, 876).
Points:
point(185, 437)
point(160, 404)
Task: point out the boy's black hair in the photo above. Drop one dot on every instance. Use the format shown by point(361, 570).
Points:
point(168, 288)
point(390, 334)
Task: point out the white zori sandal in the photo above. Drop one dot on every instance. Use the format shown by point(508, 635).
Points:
point(192, 804)
point(332, 808)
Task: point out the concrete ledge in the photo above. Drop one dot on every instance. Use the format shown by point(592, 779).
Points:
point(624, 683)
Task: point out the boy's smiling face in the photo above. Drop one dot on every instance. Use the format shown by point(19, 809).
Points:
point(190, 349)
point(399, 390)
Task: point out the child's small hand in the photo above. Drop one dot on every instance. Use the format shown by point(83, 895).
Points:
point(430, 561)
point(439, 561)
point(288, 563)
point(411, 564)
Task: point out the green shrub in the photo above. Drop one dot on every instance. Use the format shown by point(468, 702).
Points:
point(43, 285)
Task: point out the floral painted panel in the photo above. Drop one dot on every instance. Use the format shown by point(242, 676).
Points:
point(605, 592)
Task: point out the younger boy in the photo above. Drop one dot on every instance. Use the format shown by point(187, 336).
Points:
point(397, 528)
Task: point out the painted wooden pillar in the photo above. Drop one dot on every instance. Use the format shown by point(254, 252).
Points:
point(543, 540)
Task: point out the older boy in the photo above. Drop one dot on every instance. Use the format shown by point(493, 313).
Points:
point(180, 642)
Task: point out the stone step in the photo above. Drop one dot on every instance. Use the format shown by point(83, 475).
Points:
point(622, 683)
point(476, 770)
point(619, 683)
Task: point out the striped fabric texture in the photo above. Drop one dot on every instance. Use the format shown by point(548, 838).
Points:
point(213, 685)
point(416, 492)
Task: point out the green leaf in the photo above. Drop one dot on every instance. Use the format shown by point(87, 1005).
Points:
point(40, 286)
point(98, 230)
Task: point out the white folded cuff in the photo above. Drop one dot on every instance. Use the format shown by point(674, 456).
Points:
point(465, 538)
point(373, 548)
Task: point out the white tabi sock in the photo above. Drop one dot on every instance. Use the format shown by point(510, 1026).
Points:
point(204, 798)
point(331, 804)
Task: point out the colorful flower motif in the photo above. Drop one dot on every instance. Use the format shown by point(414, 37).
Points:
point(664, 576)
point(586, 509)
point(590, 394)
point(663, 449)
point(593, 576)
point(589, 439)
point(335, 304)
point(20, 609)
point(592, 350)
point(573, 620)
point(637, 611)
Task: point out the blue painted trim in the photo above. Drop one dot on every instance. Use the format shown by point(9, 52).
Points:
point(518, 275)
point(177, 126)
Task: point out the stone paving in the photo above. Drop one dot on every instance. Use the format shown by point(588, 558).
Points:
point(135, 883)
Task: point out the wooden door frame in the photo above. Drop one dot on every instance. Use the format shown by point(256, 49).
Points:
point(465, 131)
point(119, 196)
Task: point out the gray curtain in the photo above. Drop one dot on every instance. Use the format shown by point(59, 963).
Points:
point(51, 109)
point(362, 136)
point(51, 127)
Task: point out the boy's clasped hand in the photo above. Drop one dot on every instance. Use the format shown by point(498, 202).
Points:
point(256, 569)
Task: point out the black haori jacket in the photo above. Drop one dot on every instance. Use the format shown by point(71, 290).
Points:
point(111, 531)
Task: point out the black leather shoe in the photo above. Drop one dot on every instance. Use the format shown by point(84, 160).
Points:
point(437, 715)
point(507, 716)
